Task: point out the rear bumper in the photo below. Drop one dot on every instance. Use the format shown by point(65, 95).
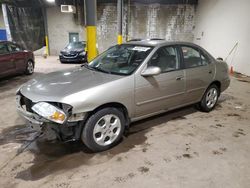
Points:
point(225, 84)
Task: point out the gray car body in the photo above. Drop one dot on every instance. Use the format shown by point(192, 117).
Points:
point(86, 90)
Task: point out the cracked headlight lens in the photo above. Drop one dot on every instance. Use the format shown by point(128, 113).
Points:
point(49, 112)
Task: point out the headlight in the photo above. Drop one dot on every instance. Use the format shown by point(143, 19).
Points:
point(82, 53)
point(49, 112)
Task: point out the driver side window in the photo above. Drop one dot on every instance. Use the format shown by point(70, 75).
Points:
point(13, 48)
point(166, 58)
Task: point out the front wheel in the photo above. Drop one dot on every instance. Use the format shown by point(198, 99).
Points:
point(210, 98)
point(103, 129)
point(29, 68)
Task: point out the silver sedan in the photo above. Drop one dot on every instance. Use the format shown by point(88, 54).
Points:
point(97, 101)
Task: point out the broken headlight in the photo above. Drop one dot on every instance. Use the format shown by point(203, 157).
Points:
point(50, 112)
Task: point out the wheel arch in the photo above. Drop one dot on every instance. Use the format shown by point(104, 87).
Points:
point(200, 104)
point(217, 83)
point(30, 59)
point(117, 105)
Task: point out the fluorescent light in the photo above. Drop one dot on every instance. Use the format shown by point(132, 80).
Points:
point(50, 1)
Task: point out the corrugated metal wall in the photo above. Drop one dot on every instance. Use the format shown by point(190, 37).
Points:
point(172, 22)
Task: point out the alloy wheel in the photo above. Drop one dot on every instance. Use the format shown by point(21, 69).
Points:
point(211, 97)
point(30, 67)
point(107, 129)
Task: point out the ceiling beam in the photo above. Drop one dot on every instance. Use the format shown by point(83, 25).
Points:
point(32, 3)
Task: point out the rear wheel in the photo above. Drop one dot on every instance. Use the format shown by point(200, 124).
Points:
point(104, 129)
point(210, 98)
point(29, 68)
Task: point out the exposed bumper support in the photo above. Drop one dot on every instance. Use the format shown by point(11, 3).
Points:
point(70, 131)
point(30, 117)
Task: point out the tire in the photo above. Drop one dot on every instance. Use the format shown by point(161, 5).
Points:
point(210, 98)
point(29, 68)
point(104, 129)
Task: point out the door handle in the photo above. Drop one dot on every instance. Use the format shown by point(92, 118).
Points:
point(179, 77)
point(210, 72)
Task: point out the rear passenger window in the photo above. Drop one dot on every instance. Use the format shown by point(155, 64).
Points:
point(192, 57)
point(166, 58)
point(205, 60)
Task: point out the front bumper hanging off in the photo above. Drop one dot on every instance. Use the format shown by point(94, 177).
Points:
point(65, 132)
point(33, 120)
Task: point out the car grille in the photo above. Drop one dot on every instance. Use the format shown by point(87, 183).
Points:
point(70, 55)
point(27, 103)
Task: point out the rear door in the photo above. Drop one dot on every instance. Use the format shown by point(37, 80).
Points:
point(162, 92)
point(199, 72)
point(18, 56)
point(7, 65)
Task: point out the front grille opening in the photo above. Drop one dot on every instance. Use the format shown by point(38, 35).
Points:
point(26, 103)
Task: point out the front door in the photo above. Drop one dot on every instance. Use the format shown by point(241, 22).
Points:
point(7, 64)
point(164, 91)
point(18, 56)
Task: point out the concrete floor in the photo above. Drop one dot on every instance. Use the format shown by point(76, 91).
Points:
point(184, 148)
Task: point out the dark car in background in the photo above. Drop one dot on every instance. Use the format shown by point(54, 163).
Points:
point(74, 52)
point(15, 60)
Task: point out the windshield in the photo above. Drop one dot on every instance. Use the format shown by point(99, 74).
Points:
point(75, 45)
point(121, 59)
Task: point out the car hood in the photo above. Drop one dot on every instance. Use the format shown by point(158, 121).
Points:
point(57, 85)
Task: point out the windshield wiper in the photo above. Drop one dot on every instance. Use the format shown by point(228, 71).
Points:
point(94, 68)
point(86, 65)
point(101, 70)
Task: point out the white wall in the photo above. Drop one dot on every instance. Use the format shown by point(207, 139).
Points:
point(224, 23)
point(59, 27)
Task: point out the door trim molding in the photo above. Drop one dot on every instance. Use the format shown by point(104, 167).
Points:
point(158, 99)
point(196, 89)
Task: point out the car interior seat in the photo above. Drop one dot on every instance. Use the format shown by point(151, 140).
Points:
point(193, 61)
point(167, 63)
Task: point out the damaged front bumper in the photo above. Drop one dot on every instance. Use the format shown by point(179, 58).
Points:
point(34, 120)
point(69, 131)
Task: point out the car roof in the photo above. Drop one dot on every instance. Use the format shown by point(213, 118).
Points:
point(7, 41)
point(158, 42)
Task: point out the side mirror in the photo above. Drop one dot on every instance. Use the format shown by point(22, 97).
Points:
point(151, 71)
